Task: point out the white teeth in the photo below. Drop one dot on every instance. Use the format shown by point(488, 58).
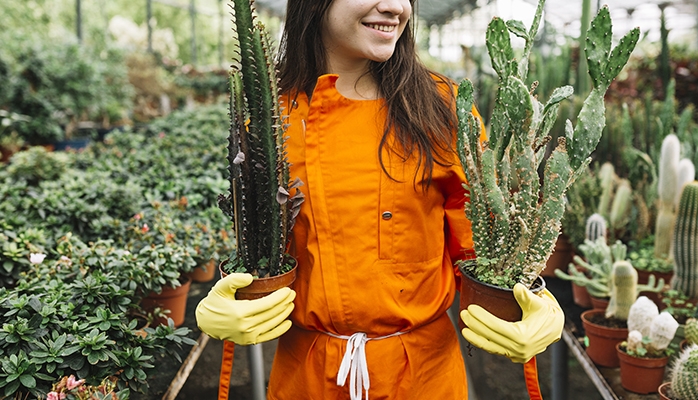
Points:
point(382, 28)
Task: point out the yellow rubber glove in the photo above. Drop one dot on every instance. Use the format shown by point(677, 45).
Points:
point(541, 325)
point(244, 321)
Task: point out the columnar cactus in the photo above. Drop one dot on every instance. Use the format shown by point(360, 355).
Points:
point(515, 221)
point(684, 375)
point(622, 203)
point(667, 189)
point(595, 227)
point(623, 290)
point(259, 201)
point(607, 179)
point(685, 278)
point(690, 330)
point(687, 173)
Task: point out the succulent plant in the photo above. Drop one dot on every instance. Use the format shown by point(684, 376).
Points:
point(259, 201)
point(685, 278)
point(516, 220)
point(595, 227)
point(684, 375)
point(609, 275)
point(690, 330)
point(641, 314)
point(668, 191)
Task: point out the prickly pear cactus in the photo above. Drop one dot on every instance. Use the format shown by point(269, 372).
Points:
point(259, 201)
point(690, 330)
point(595, 227)
point(515, 220)
point(623, 290)
point(684, 375)
point(685, 278)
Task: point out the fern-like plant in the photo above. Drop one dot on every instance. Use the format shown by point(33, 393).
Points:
point(515, 219)
point(260, 201)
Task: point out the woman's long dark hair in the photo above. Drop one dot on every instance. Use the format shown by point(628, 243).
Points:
point(420, 114)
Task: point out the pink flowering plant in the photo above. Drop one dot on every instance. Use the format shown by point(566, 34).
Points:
point(70, 388)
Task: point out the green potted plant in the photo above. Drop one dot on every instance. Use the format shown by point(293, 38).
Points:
point(684, 377)
point(645, 354)
point(261, 201)
point(516, 220)
point(66, 317)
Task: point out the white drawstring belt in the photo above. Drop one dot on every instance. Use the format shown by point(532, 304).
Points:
point(354, 362)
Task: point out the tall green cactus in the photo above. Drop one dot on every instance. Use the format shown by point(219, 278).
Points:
point(667, 189)
point(623, 290)
point(515, 221)
point(684, 374)
point(259, 201)
point(686, 242)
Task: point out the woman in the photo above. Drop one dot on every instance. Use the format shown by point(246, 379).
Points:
point(372, 136)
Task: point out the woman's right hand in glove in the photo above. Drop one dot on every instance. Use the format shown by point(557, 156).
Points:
point(244, 321)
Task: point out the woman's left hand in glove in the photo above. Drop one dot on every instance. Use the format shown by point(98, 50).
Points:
point(541, 325)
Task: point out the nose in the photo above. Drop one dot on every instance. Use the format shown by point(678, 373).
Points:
point(394, 7)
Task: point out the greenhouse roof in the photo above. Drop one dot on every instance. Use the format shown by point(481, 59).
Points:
point(681, 14)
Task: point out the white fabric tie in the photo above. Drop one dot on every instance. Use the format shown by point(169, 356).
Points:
point(354, 363)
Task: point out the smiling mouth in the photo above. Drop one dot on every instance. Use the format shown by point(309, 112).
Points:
point(382, 28)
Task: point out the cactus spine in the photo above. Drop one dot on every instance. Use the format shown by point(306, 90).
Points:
point(685, 278)
point(259, 200)
point(666, 187)
point(684, 376)
point(595, 227)
point(514, 234)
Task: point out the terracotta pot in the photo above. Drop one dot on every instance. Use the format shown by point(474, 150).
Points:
point(499, 301)
point(602, 340)
point(640, 374)
point(203, 273)
point(581, 296)
point(598, 303)
point(643, 277)
point(261, 287)
point(560, 258)
point(664, 391)
point(171, 299)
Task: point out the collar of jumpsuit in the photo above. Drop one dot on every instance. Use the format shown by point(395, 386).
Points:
point(375, 260)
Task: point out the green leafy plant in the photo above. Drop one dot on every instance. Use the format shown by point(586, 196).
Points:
point(69, 316)
point(260, 201)
point(515, 219)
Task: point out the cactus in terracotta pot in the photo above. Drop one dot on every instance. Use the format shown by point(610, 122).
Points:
point(260, 201)
point(516, 220)
point(623, 290)
point(684, 375)
point(685, 278)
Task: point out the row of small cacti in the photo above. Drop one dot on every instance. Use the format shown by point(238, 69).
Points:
point(611, 275)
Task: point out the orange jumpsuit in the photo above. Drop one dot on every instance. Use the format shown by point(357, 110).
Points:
point(375, 256)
